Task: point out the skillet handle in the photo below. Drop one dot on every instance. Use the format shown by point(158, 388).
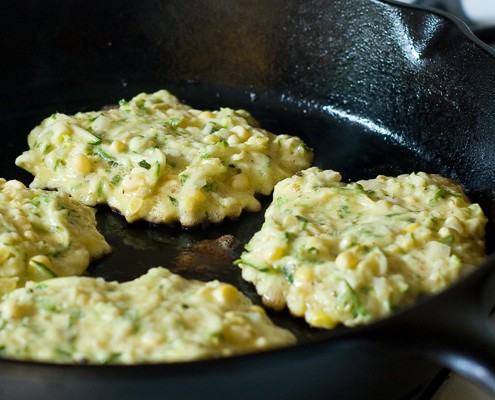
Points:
point(453, 328)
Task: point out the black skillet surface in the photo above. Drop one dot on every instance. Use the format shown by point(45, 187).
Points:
point(375, 88)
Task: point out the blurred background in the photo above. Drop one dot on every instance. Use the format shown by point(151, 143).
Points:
point(479, 15)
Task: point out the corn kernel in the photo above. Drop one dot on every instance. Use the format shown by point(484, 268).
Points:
point(405, 241)
point(225, 294)
point(239, 334)
point(134, 206)
point(296, 301)
point(411, 227)
point(241, 132)
point(4, 255)
point(274, 254)
point(29, 234)
point(191, 202)
point(321, 319)
point(15, 184)
point(38, 268)
point(290, 220)
point(257, 309)
point(454, 223)
point(41, 259)
point(304, 275)
point(206, 115)
point(13, 310)
point(211, 139)
point(233, 140)
point(346, 260)
point(59, 130)
point(240, 182)
point(7, 284)
point(118, 146)
point(81, 163)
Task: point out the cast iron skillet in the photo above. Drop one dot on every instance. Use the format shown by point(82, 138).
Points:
point(374, 87)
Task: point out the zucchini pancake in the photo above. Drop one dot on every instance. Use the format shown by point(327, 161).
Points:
point(157, 159)
point(337, 253)
point(158, 317)
point(44, 234)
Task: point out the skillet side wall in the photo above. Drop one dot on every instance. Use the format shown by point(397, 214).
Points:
point(403, 75)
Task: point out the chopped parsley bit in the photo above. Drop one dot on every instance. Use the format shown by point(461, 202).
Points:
point(303, 220)
point(107, 157)
point(440, 193)
point(58, 163)
point(44, 268)
point(173, 200)
point(123, 102)
point(173, 122)
point(93, 118)
point(343, 210)
point(112, 357)
point(141, 105)
point(144, 164)
point(356, 305)
point(157, 166)
point(95, 141)
point(391, 215)
point(183, 177)
point(100, 188)
point(289, 236)
point(205, 155)
point(261, 268)
point(74, 317)
point(116, 180)
point(210, 186)
point(449, 239)
point(288, 273)
point(313, 250)
point(49, 147)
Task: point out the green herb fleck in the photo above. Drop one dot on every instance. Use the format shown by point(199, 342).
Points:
point(288, 273)
point(289, 236)
point(44, 268)
point(259, 267)
point(107, 157)
point(313, 251)
point(210, 186)
point(58, 163)
point(173, 122)
point(343, 211)
point(141, 105)
point(111, 358)
point(356, 305)
point(144, 164)
point(116, 180)
point(448, 240)
point(95, 141)
point(47, 148)
point(303, 221)
point(183, 177)
point(439, 194)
